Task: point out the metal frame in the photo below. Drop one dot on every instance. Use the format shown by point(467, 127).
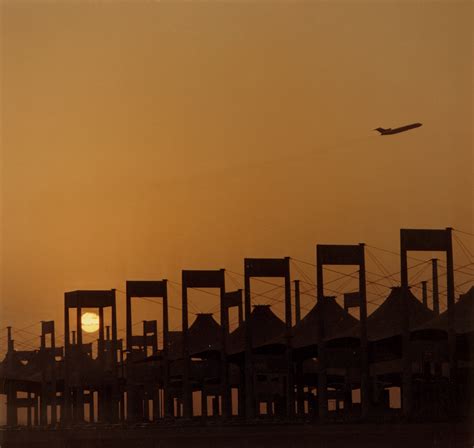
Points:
point(338, 254)
point(267, 267)
point(203, 279)
point(425, 240)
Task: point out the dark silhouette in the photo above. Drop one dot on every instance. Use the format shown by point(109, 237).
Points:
point(267, 371)
point(391, 131)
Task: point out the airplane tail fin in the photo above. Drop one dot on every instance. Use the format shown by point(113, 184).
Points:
point(381, 130)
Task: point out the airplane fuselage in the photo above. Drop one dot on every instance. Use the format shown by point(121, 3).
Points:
point(391, 131)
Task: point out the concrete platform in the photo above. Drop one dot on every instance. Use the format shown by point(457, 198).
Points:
point(392, 435)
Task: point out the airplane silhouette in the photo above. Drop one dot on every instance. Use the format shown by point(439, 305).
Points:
point(391, 131)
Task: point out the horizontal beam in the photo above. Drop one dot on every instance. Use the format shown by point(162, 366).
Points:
point(203, 279)
point(425, 239)
point(89, 299)
point(146, 288)
point(340, 254)
point(267, 267)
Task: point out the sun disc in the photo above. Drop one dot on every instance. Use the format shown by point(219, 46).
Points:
point(90, 322)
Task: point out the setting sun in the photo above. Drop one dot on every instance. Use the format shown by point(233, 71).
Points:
point(90, 322)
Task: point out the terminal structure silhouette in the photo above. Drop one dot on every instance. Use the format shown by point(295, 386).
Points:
point(308, 368)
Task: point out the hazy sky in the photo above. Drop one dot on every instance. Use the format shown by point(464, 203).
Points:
point(142, 138)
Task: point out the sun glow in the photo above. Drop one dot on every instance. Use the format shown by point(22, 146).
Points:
point(90, 322)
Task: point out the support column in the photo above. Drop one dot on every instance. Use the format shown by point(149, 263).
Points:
point(322, 373)
point(424, 293)
point(115, 387)
point(131, 393)
point(451, 323)
point(225, 390)
point(66, 405)
point(215, 406)
point(406, 360)
point(36, 409)
point(434, 263)
point(168, 401)
point(43, 415)
point(299, 363)
point(28, 410)
point(12, 414)
point(248, 384)
point(187, 391)
point(91, 406)
point(299, 388)
point(347, 393)
point(203, 404)
point(178, 407)
point(156, 403)
point(101, 334)
point(290, 383)
point(365, 372)
point(241, 313)
point(241, 394)
point(79, 354)
point(146, 407)
point(297, 302)
point(44, 392)
point(53, 378)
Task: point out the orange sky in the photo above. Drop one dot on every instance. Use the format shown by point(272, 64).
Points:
point(142, 138)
